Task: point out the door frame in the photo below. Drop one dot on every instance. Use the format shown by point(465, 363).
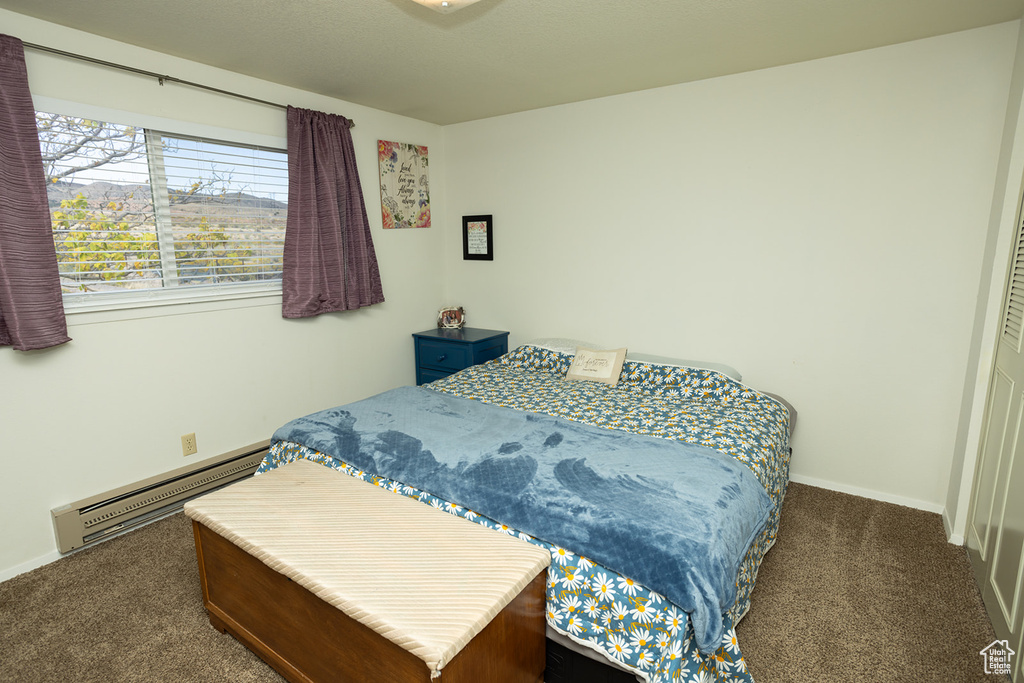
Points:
point(1007, 197)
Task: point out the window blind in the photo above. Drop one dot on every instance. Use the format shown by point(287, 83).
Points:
point(1013, 320)
point(136, 209)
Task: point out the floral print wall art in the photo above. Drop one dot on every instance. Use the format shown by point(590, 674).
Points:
point(404, 185)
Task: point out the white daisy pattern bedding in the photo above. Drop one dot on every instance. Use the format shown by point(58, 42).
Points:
point(590, 603)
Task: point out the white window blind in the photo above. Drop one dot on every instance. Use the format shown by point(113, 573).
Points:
point(142, 212)
point(1013, 318)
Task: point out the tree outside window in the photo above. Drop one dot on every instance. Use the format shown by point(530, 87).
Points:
point(136, 209)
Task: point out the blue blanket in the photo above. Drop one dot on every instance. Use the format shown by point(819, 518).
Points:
point(675, 517)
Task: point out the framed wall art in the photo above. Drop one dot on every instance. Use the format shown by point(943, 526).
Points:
point(477, 238)
point(404, 184)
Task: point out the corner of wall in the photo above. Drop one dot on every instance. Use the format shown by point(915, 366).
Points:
point(947, 525)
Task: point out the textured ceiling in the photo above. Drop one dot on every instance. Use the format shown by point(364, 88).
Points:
point(503, 56)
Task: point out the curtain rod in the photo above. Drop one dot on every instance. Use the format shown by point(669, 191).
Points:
point(161, 78)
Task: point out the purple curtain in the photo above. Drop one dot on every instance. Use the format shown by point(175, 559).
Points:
point(329, 262)
point(31, 309)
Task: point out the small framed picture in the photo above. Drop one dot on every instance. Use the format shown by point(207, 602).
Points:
point(451, 317)
point(477, 238)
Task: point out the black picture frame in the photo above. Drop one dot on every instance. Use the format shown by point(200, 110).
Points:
point(477, 251)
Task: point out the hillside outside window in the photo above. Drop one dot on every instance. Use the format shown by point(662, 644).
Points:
point(147, 216)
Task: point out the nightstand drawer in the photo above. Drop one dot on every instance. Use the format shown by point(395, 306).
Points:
point(444, 356)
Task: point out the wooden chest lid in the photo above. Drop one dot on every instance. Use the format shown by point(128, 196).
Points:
point(423, 578)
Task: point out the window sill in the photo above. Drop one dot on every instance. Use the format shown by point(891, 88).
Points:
point(161, 303)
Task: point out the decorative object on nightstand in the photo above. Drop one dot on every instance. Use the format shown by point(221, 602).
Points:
point(451, 317)
point(445, 351)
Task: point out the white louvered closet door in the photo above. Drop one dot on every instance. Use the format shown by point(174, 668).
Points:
point(995, 530)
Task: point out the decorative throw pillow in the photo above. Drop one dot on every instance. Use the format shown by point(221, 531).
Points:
point(597, 366)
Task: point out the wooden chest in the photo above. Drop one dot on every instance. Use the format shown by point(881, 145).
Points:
point(328, 578)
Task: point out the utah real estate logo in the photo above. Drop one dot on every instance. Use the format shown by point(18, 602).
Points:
point(997, 657)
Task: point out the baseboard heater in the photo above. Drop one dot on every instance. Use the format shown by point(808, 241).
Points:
point(92, 519)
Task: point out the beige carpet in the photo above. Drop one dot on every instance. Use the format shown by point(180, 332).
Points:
point(858, 590)
point(854, 590)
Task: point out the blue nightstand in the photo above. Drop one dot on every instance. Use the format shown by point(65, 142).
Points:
point(442, 351)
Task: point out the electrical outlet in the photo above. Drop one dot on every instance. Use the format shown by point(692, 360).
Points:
point(188, 444)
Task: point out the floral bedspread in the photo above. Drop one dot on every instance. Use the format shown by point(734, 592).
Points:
point(585, 601)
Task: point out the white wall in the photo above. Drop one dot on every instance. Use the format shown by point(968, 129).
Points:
point(109, 408)
point(819, 226)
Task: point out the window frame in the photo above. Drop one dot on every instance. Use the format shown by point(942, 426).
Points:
point(241, 293)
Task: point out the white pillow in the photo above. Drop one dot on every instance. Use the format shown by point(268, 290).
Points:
point(563, 344)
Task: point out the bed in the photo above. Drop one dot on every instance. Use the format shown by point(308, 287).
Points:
point(657, 497)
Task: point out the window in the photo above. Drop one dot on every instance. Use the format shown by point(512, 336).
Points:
point(143, 214)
